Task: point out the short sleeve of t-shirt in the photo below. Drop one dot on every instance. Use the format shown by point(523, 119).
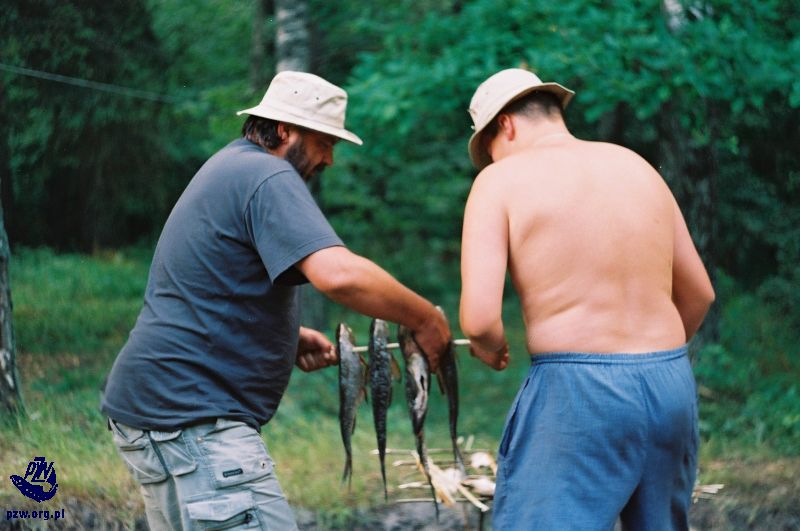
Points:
point(285, 224)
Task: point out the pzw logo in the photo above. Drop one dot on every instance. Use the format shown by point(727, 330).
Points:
point(42, 475)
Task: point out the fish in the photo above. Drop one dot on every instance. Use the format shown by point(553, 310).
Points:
point(417, 384)
point(447, 376)
point(382, 367)
point(351, 392)
point(36, 492)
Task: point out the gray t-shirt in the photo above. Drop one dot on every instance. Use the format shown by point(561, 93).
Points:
point(218, 332)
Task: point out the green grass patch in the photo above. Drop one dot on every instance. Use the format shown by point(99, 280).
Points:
point(75, 303)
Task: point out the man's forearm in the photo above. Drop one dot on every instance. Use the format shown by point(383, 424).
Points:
point(368, 289)
point(492, 339)
point(361, 285)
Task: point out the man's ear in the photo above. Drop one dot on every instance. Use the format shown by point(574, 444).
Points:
point(283, 130)
point(505, 126)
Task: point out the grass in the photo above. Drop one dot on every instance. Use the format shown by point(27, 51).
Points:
point(73, 313)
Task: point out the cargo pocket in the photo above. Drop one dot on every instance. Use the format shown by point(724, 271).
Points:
point(235, 453)
point(175, 452)
point(138, 454)
point(236, 510)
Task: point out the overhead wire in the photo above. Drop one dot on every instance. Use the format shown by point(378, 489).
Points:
point(94, 85)
point(322, 55)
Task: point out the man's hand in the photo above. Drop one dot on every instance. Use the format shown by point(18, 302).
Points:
point(314, 351)
point(497, 360)
point(433, 337)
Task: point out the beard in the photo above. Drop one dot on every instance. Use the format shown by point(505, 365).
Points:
point(296, 156)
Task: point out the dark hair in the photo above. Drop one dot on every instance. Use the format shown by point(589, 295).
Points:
point(538, 103)
point(534, 104)
point(261, 131)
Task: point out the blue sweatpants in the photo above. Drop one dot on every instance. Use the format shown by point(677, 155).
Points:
point(591, 437)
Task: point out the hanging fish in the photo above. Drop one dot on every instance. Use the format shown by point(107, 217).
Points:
point(418, 379)
point(447, 376)
point(351, 392)
point(382, 367)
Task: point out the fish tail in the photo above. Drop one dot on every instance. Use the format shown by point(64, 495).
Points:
point(381, 433)
point(423, 457)
point(383, 475)
point(347, 476)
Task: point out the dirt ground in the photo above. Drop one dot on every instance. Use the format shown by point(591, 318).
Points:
point(756, 496)
point(721, 513)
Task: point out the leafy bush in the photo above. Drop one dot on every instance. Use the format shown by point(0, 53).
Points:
point(750, 395)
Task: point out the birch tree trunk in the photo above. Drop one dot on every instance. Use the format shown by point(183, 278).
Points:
point(10, 400)
point(10, 397)
point(292, 38)
point(258, 47)
point(293, 52)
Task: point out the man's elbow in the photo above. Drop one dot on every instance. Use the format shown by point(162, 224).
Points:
point(477, 327)
point(708, 295)
point(336, 282)
point(333, 272)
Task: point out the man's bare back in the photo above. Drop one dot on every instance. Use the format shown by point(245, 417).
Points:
point(590, 248)
point(597, 248)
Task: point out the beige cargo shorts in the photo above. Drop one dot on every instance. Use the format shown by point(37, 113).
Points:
point(210, 476)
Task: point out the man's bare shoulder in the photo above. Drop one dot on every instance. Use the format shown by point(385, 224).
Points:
point(504, 174)
point(489, 180)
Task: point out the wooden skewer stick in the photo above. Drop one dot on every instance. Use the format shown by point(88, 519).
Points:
point(457, 342)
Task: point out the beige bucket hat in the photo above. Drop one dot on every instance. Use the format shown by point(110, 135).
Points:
point(495, 93)
point(306, 100)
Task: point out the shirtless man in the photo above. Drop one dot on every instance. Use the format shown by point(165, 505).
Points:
point(611, 287)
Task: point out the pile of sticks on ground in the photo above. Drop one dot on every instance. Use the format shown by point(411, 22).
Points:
point(476, 488)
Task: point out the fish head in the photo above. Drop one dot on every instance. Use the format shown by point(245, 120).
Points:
point(379, 329)
point(408, 346)
point(344, 338)
point(378, 336)
point(17, 481)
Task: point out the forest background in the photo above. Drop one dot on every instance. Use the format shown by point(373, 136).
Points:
point(108, 108)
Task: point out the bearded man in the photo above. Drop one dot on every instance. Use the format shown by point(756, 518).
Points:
point(211, 353)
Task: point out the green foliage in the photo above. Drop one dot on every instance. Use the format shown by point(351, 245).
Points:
point(83, 162)
point(685, 99)
point(749, 391)
point(711, 97)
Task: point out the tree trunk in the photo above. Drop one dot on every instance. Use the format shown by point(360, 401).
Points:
point(673, 10)
point(292, 39)
point(258, 51)
point(10, 397)
point(293, 52)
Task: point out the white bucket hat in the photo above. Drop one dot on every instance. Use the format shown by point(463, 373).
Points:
point(306, 100)
point(495, 93)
